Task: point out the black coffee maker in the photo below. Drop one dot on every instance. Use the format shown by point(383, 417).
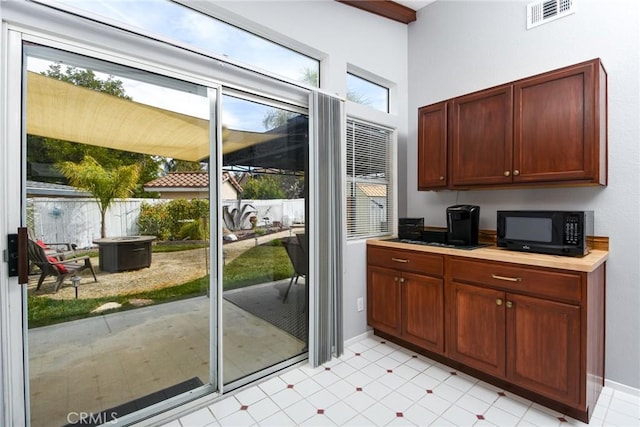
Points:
point(462, 225)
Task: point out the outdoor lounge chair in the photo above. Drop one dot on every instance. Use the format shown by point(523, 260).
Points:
point(59, 250)
point(52, 265)
point(299, 260)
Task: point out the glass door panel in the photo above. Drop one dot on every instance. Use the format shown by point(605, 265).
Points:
point(264, 206)
point(119, 314)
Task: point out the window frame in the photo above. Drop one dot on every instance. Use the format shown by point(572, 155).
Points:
point(372, 83)
point(216, 13)
point(390, 181)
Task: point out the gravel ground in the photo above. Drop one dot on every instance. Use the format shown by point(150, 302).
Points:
point(167, 269)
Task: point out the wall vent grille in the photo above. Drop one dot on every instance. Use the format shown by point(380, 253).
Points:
point(541, 12)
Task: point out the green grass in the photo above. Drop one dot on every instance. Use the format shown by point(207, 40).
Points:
point(46, 311)
point(259, 264)
point(264, 263)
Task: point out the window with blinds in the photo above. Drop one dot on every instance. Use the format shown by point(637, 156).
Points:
point(369, 191)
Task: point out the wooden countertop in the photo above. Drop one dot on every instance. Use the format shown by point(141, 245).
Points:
point(587, 263)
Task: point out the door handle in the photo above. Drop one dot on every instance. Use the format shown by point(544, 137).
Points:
point(508, 279)
point(17, 256)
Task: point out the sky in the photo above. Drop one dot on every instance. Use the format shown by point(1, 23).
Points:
point(176, 22)
point(237, 113)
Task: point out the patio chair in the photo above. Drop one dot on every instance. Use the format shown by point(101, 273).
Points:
point(52, 265)
point(59, 250)
point(299, 260)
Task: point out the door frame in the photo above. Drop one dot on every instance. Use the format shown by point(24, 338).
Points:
point(12, 309)
point(26, 21)
point(14, 392)
point(14, 346)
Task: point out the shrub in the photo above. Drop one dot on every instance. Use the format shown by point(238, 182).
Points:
point(193, 230)
point(153, 220)
point(167, 220)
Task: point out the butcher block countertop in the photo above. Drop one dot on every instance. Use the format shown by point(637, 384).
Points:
point(587, 263)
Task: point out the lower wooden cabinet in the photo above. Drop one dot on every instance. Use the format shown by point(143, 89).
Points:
point(536, 331)
point(422, 311)
point(532, 342)
point(476, 328)
point(383, 300)
point(543, 347)
point(406, 304)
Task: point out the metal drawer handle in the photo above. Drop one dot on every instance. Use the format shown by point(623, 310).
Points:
point(400, 260)
point(508, 279)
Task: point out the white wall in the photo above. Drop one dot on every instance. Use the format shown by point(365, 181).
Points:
point(347, 37)
point(457, 47)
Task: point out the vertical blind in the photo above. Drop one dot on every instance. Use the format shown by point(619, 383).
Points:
point(328, 227)
point(369, 197)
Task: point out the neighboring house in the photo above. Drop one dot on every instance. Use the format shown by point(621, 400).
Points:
point(192, 185)
point(367, 209)
point(46, 189)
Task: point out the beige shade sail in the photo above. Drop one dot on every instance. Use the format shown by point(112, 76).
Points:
point(61, 110)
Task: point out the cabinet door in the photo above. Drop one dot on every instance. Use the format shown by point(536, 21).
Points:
point(481, 137)
point(477, 327)
point(556, 126)
point(423, 311)
point(383, 299)
point(543, 347)
point(432, 147)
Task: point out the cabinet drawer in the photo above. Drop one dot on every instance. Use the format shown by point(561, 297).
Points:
point(412, 261)
point(512, 277)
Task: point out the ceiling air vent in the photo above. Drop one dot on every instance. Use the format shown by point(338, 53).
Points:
point(541, 12)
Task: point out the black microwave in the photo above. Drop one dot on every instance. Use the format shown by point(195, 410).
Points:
point(547, 232)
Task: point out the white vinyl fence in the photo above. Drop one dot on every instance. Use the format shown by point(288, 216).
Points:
point(77, 220)
point(286, 211)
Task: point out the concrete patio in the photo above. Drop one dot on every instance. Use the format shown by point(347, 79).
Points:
point(94, 364)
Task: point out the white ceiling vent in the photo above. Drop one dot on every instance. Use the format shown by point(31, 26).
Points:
point(544, 11)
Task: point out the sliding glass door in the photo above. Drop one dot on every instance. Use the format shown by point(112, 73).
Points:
point(119, 302)
point(264, 205)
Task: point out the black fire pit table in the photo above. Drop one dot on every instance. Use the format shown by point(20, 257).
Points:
point(124, 253)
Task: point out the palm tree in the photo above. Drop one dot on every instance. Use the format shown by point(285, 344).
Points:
point(105, 185)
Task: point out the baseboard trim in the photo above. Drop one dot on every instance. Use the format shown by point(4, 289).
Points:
point(622, 387)
point(357, 338)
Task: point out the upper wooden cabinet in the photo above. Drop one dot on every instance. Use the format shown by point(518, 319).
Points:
point(482, 137)
point(560, 122)
point(432, 147)
point(546, 130)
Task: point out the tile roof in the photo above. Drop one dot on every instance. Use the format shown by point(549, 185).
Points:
point(373, 190)
point(181, 180)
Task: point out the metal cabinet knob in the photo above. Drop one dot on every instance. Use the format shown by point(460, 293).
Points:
point(395, 279)
point(507, 173)
point(516, 172)
point(402, 280)
point(509, 304)
point(442, 178)
point(498, 301)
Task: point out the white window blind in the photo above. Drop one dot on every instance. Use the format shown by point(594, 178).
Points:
point(369, 191)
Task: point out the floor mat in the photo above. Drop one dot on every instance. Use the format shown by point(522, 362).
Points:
point(112, 414)
point(266, 302)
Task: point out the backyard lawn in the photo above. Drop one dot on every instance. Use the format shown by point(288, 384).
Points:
point(264, 263)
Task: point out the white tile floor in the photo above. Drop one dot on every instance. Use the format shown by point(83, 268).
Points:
point(376, 383)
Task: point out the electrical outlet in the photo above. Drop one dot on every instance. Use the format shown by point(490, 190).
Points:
point(360, 302)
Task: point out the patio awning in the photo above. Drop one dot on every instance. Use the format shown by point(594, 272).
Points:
point(61, 110)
